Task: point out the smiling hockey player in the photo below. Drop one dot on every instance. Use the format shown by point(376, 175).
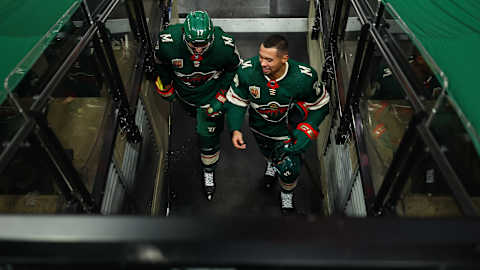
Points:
point(196, 63)
point(271, 85)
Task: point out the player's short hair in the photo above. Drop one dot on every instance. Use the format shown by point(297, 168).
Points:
point(276, 41)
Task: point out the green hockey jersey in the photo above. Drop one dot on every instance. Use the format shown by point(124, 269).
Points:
point(196, 79)
point(269, 101)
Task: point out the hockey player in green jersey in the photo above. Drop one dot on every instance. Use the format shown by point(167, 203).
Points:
point(272, 87)
point(196, 62)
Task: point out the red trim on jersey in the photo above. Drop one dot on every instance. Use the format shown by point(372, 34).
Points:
point(304, 108)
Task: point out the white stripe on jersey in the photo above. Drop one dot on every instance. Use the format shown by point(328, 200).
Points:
point(236, 99)
point(320, 102)
point(281, 138)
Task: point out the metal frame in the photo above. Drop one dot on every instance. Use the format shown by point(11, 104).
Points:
point(63, 164)
point(460, 194)
point(47, 138)
point(333, 49)
point(120, 96)
point(112, 127)
point(351, 119)
point(327, 243)
point(399, 162)
point(40, 103)
point(156, 21)
point(114, 119)
point(146, 41)
point(398, 171)
point(409, 82)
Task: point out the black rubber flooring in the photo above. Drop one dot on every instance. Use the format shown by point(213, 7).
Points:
point(239, 191)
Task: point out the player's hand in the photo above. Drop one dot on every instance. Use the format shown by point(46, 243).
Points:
point(237, 140)
point(215, 108)
point(302, 138)
point(165, 91)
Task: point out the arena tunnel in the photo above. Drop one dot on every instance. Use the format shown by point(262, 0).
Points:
point(97, 169)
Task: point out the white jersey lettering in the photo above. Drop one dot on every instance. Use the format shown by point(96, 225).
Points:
point(386, 72)
point(247, 64)
point(166, 38)
point(305, 70)
point(236, 81)
point(228, 41)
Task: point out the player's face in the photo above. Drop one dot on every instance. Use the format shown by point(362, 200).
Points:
point(198, 48)
point(270, 60)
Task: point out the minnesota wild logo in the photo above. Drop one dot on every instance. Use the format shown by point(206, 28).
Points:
point(198, 78)
point(272, 111)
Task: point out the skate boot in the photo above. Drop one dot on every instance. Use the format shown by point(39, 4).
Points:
point(269, 176)
point(287, 204)
point(209, 182)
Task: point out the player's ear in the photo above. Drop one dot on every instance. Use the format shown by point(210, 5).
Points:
point(284, 58)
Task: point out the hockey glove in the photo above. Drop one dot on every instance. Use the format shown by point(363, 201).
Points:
point(216, 106)
point(168, 93)
point(303, 135)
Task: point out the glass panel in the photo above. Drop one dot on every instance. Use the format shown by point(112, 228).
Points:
point(426, 193)
point(457, 145)
point(11, 120)
point(28, 185)
point(53, 57)
point(123, 41)
point(58, 34)
point(347, 48)
point(385, 114)
point(424, 67)
point(331, 6)
point(373, 5)
point(76, 111)
point(96, 6)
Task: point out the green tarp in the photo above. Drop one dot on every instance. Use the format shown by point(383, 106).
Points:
point(26, 29)
point(449, 30)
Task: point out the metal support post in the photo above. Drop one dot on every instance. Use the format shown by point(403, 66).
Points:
point(416, 155)
point(145, 35)
point(353, 89)
point(64, 165)
point(127, 123)
point(398, 163)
